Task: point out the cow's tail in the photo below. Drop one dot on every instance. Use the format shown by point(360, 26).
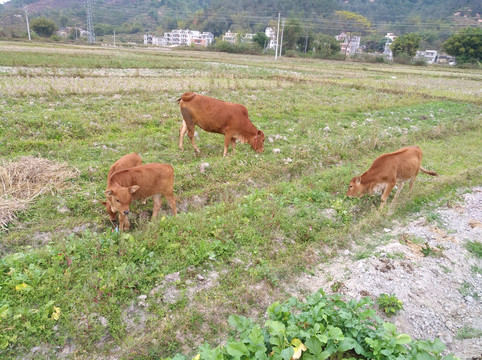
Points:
point(428, 172)
point(186, 97)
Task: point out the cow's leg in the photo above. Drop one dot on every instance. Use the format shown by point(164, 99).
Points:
point(123, 222)
point(182, 132)
point(157, 205)
point(233, 144)
point(172, 202)
point(386, 193)
point(412, 180)
point(190, 125)
point(400, 187)
point(227, 140)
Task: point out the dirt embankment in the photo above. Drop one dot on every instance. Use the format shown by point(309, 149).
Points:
point(427, 266)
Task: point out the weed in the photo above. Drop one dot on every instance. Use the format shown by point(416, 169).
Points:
point(476, 270)
point(475, 247)
point(389, 304)
point(336, 286)
point(427, 250)
point(467, 332)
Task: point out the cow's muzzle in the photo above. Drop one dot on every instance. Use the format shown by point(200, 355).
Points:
point(126, 212)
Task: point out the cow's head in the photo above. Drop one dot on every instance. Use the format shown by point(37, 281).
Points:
point(356, 188)
point(258, 142)
point(120, 198)
point(108, 207)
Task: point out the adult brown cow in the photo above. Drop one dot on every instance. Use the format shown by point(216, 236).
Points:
point(387, 171)
point(125, 162)
point(220, 117)
point(141, 182)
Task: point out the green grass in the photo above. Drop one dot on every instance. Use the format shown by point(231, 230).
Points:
point(256, 221)
point(475, 247)
point(468, 332)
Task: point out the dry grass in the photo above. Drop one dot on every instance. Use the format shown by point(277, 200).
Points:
point(23, 180)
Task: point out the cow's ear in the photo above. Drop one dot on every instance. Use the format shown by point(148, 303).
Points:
point(109, 193)
point(133, 189)
point(104, 203)
point(260, 132)
point(358, 179)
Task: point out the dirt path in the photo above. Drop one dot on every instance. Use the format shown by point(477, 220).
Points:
point(441, 292)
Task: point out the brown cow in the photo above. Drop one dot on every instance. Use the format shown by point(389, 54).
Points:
point(387, 171)
point(141, 182)
point(220, 117)
point(125, 162)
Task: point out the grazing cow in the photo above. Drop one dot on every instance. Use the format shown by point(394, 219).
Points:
point(141, 182)
point(125, 162)
point(220, 117)
point(387, 171)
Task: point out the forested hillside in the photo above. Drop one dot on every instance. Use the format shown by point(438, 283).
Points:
point(217, 16)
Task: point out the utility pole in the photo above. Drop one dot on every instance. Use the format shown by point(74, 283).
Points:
point(90, 23)
point(277, 33)
point(28, 27)
point(306, 42)
point(282, 32)
point(114, 38)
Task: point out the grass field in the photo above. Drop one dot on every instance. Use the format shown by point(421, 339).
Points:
point(247, 224)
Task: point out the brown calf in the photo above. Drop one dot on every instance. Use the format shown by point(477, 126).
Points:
point(125, 162)
point(141, 182)
point(387, 171)
point(220, 117)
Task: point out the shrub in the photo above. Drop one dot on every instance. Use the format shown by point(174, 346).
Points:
point(389, 304)
point(322, 327)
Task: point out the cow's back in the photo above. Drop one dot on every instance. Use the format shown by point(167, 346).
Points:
point(402, 164)
point(125, 162)
point(151, 178)
point(214, 115)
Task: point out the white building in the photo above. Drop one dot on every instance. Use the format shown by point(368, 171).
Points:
point(247, 38)
point(181, 37)
point(153, 40)
point(391, 36)
point(430, 56)
point(350, 45)
point(230, 37)
point(271, 34)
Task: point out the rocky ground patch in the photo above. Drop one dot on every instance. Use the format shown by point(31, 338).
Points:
point(426, 264)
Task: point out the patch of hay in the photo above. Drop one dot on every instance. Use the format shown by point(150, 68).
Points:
point(23, 180)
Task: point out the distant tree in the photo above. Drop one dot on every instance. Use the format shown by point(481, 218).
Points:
point(466, 45)
point(64, 20)
point(291, 34)
point(406, 45)
point(353, 23)
point(325, 45)
point(43, 27)
point(261, 39)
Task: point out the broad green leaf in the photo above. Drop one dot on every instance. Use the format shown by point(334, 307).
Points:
point(347, 344)
point(276, 326)
point(403, 339)
point(256, 336)
point(335, 333)
point(287, 353)
point(237, 349)
point(390, 327)
point(3, 342)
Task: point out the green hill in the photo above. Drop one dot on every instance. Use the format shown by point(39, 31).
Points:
point(128, 16)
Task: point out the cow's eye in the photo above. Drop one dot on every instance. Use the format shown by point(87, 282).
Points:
point(117, 200)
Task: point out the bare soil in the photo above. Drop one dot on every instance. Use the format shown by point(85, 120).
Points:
point(426, 264)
